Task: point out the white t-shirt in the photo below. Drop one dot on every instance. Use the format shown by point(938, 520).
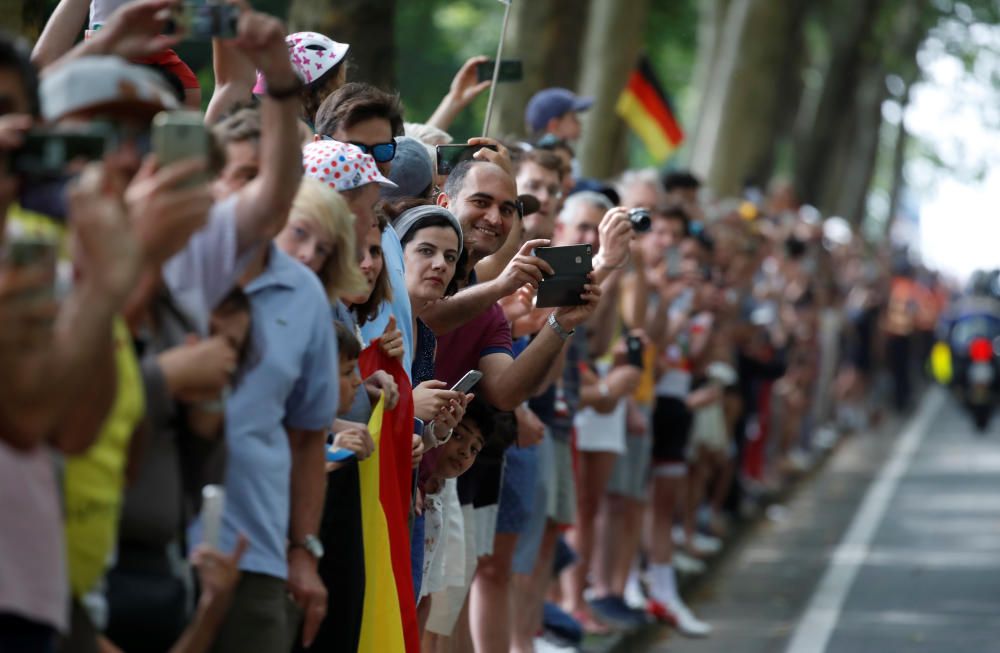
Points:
point(33, 581)
point(101, 10)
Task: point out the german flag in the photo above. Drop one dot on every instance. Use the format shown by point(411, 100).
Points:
point(646, 109)
point(389, 619)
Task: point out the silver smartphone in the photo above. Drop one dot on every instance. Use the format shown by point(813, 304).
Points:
point(467, 382)
point(181, 135)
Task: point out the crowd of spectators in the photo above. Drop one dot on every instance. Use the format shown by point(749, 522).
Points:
point(245, 319)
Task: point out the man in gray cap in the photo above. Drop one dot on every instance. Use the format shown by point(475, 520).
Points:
point(554, 111)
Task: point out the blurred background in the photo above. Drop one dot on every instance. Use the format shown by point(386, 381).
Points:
point(884, 112)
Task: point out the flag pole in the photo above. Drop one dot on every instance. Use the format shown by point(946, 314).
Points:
point(496, 67)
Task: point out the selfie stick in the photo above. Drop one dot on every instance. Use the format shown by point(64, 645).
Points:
point(496, 67)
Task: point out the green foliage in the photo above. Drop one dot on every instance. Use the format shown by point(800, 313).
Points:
point(434, 38)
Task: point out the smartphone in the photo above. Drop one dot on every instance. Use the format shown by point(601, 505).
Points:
point(180, 135)
point(633, 351)
point(571, 265)
point(199, 21)
point(673, 257)
point(466, 383)
point(213, 502)
point(684, 302)
point(511, 70)
point(418, 426)
point(46, 154)
point(449, 156)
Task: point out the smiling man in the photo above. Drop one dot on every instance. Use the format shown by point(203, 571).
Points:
point(483, 197)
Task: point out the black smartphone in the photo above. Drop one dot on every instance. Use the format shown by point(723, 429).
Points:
point(511, 70)
point(571, 265)
point(46, 154)
point(633, 351)
point(449, 156)
point(199, 21)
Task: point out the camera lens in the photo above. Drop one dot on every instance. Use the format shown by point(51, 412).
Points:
point(640, 220)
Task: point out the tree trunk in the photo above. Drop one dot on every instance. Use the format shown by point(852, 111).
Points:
point(898, 180)
point(850, 164)
point(546, 35)
point(614, 33)
point(752, 102)
point(849, 31)
point(368, 25)
point(711, 22)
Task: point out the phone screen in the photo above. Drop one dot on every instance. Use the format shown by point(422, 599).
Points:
point(511, 70)
point(449, 156)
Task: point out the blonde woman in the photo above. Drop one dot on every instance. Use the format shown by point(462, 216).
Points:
point(320, 234)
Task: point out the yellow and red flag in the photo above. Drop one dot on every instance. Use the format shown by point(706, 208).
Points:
point(389, 621)
point(646, 108)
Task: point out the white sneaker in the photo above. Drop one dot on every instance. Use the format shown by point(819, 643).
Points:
point(707, 543)
point(543, 645)
point(689, 565)
point(635, 597)
point(687, 624)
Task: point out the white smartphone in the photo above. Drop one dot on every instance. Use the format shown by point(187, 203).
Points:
point(213, 501)
point(466, 383)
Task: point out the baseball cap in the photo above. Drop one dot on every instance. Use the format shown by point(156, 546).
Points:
point(103, 82)
point(410, 219)
point(341, 166)
point(412, 170)
point(312, 55)
point(551, 103)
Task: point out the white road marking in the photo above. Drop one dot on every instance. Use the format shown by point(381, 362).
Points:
point(812, 634)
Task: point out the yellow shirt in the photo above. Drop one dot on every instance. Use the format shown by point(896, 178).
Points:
point(94, 481)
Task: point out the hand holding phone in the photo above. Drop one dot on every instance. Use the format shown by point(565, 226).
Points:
point(511, 70)
point(634, 351)
point(449, 156)
point(571, 265)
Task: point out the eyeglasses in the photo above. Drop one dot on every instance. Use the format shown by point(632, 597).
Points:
point(381, 152)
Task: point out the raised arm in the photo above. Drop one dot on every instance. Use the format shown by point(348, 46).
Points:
point(263, 204)
point(464, 89)
point(235, 76)
point(60, 32)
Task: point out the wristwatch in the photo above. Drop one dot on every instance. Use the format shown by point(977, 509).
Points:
point(312, 545)
point(555, 326)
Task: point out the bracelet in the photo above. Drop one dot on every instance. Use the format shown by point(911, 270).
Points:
point(285, 93)
point(560, 331)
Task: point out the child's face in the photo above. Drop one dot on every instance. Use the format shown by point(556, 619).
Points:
point(233, 325)
point(457, 454)
point(350, 380)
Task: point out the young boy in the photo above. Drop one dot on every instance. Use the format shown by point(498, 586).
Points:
point(342, 567)
point(483, 431)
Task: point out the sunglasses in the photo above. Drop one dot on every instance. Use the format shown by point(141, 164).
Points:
point(381, 152)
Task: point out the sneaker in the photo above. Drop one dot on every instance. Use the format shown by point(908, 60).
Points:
point(707, 543)
point(661, 613)
point(635, 596)
point(561, 623)
point(686, 623)
point(543, 645)
point(612, 610)
point(688, 565)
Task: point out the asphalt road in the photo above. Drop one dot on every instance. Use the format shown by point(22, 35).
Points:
point(894, 546)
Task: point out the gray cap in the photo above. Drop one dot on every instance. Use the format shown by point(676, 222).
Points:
point(103, 82)
point(412, 170)
point(414, 218)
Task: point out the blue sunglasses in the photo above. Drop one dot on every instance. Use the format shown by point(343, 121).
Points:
point(381, 152)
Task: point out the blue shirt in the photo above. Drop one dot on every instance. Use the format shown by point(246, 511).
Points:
point(291, 386)
point(392, 255)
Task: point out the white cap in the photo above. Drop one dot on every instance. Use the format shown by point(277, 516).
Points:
point(102, 81)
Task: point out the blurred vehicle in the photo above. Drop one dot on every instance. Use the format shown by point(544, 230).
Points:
point(968, 355)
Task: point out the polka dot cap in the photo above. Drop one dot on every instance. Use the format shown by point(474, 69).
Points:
point(312, 55)
point(341, 166)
